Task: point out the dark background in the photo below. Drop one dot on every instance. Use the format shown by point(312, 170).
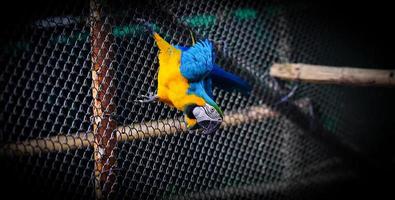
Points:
point(371, 26)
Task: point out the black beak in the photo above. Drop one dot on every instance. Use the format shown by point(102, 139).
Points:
point(209, 126)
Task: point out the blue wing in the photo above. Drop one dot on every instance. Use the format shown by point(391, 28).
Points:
point(197, 61)
point(198, 64)
point(208, 87)
point(228, 81)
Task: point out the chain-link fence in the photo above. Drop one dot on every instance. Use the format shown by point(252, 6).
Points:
point(71, 128)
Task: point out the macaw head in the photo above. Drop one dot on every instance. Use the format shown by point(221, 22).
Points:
point(208, 117)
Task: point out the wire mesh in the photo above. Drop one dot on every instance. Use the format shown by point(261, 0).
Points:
point(71, 129)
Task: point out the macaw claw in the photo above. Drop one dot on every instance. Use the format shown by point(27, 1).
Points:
point(147, 98)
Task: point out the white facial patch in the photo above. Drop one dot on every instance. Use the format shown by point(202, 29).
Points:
point(206, 113)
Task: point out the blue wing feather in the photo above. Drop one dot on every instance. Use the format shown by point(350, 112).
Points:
point(228, 81)
point(197, 61)
point(198, 65)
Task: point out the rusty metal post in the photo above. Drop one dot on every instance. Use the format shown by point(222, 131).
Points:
point(104, 127)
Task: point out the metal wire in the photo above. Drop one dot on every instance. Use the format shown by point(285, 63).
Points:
point(73, 73)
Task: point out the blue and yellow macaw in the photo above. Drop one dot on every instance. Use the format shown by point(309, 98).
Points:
point(185, 80)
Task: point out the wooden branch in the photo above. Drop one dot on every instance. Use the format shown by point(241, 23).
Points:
point(333, 75)
point(130, 132)
point(61, 142)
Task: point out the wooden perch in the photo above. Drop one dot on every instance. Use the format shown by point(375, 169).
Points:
point(134, 131)
point(333, 75)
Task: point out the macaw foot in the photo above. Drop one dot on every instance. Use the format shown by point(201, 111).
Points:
point(147, 98)
point(288, 96)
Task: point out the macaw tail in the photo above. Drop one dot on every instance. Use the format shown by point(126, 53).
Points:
point(162, 43)
point(228, 81)
point(166, 49)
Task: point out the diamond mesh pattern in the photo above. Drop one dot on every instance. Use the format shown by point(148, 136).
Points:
point(51, 134)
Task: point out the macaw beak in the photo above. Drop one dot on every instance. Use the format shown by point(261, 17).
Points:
point(209, 126)
point(207, 118)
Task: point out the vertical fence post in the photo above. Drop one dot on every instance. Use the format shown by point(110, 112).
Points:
point(104, 127)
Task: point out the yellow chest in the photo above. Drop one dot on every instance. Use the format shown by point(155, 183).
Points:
point(172, 86)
